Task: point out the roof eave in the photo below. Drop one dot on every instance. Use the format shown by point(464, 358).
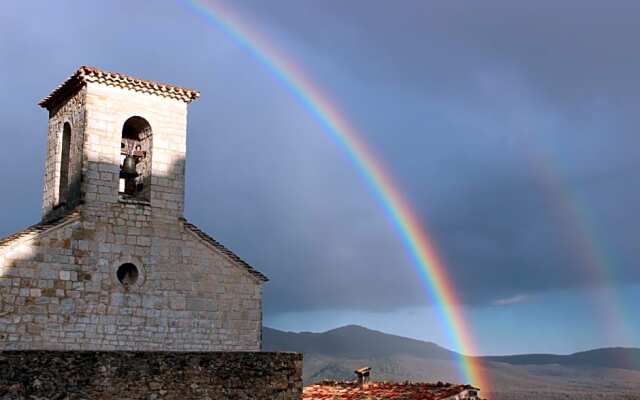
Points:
point(86, 74)
point(259, 276)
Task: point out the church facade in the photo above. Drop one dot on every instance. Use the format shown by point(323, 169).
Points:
point(113, 264)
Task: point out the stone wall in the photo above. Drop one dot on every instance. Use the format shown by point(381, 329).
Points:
point(73, 112)
point(59, 289)
point(149, 375)
point(97, 114)
point(107, 109)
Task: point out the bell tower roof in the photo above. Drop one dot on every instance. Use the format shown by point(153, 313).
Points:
point(86, 74)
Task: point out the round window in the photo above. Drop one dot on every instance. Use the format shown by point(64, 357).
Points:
point(128, 274)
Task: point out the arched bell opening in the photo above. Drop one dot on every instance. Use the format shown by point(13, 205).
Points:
point(135, 151)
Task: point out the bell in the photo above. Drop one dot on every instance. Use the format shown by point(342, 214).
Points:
point(129, 167)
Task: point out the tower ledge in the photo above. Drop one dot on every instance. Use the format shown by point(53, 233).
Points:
point(86, 74)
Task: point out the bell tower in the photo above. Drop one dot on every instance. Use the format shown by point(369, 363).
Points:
point(115, 140)
point(114, 265)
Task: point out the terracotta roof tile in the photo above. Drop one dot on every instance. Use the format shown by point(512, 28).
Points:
point(202, 235)
point(86, 74)
point(382, 390)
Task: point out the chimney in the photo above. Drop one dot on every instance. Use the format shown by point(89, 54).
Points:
point(363, 377)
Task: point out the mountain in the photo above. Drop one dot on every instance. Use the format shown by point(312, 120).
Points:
point(612, 373)
point(616, 357)
point(352, 341)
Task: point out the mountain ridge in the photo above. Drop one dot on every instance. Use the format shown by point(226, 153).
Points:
point(352, 341)
point(359, 341)
point(599, 374)
point(607, 357)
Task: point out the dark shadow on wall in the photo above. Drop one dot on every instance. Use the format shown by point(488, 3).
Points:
point(163, 190)
point(84, 262)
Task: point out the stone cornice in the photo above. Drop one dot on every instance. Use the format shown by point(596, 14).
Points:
point(86, 74)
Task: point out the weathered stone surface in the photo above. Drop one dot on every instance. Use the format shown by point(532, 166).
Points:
point(59, 287)
point(60, 291)
point(73, 112)
point(149, 375)
point(106, 275)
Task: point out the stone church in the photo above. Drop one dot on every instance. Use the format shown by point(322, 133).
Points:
point(113, 264)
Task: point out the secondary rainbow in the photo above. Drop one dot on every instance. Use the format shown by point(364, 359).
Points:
point(416, 240)
point(577, 230)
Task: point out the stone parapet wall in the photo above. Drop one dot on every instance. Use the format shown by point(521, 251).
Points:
point(150, 375)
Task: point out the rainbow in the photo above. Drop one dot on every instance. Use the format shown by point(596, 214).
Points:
point(574, 216)
point(416, 240)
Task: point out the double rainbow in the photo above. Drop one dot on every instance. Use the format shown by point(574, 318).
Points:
point(416, 240)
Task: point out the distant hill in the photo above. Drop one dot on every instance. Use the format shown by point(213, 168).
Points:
point(598, 374)
point(617, 357)
point(352, 341)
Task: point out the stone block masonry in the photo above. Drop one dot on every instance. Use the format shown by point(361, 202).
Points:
point(111, 269)
point(112, 294)
point(149, 375)
point(60, 290)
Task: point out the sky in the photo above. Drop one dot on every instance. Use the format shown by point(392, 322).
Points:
point(511, 129)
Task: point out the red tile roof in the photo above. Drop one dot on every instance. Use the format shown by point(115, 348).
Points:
point(86, 74)
point(382, 390)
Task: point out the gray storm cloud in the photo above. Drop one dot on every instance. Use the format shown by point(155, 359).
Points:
point(496, 120)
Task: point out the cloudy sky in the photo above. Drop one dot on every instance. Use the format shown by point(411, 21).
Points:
point(511, 129)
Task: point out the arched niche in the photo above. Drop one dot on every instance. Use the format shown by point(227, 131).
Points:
point(135, 151)
point(65, 161)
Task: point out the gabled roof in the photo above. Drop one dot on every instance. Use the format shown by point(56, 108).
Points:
point(86, 74)
point(233, 256)
point(36, 229)
point(41, 227)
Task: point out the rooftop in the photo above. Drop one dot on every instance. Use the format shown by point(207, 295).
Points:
point(34, 230)
point(86, 74)
point(202, 235)
point(330, 390)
